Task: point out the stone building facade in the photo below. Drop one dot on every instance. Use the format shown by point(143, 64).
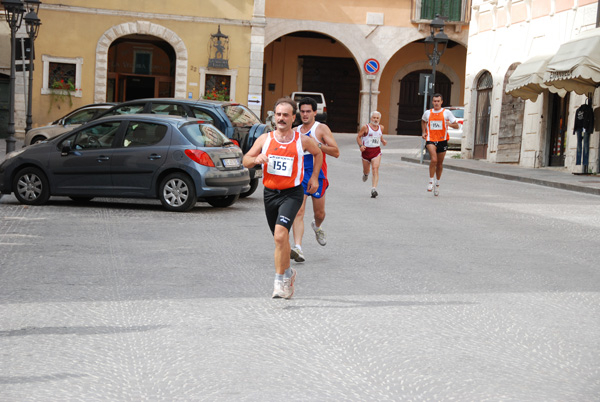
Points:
point(501, 128)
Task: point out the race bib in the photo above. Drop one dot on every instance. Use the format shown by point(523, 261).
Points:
point(280, 165)
point(373, 141)
point(436, 125)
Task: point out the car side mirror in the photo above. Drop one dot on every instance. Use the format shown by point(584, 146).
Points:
point(66, 148)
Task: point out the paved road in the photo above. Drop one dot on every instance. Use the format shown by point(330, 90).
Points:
point(487, 292)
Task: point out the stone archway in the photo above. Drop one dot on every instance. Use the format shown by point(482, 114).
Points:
point(146, 28)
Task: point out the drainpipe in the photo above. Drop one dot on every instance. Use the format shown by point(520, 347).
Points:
point(598, 15)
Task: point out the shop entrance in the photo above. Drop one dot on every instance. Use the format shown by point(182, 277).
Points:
point(558, 129)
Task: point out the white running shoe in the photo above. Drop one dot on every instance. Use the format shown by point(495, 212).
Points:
point(288, 285)
point(365, 177)
point(430, 186)
point(319, 234)
point(436, 191)
point(278, 291)
point(297, 255)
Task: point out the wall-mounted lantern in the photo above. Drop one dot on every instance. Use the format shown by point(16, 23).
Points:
point(218, 50)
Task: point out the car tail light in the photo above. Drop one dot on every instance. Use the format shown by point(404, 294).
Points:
point(460, 121)
point(200, 157)
point(237, 144)
point(325, 109)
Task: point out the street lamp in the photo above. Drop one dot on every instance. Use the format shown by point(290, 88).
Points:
point(32, 23)
point(432, 43)
point(13, 11)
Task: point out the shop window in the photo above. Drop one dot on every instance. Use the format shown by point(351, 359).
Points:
point(61, 74)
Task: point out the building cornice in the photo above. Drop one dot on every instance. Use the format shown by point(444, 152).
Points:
point(143, 15)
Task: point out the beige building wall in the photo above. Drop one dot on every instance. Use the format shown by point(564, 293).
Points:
point(505, 32)
point(380, 29)
point(82, 30)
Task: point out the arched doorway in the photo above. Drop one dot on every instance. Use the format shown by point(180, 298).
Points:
point(140, 66)
point(483, 112)
point(410, 103)
point(310, 61)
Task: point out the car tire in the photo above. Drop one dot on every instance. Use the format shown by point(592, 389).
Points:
point(253, 186)
point(223, 202)
point(31, 186)
point(81, 200)
point(177, 192)
point(38, 139)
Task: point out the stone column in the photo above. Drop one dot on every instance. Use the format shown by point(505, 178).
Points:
point(257, 50)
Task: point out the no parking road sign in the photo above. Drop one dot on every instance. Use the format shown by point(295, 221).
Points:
point(371, 66)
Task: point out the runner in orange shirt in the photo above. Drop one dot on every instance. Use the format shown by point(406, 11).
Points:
point(434, 126)
point(281, 152)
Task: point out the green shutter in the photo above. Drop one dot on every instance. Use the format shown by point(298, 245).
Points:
point(450, 9)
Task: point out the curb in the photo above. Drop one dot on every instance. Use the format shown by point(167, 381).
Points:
point(507, 176)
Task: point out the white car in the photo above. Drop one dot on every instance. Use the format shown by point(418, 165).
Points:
point(455, 140)
point(321, 105)
point(66, 123)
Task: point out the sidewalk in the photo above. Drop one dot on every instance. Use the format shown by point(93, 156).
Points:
point(548, 177)
point(18, 145)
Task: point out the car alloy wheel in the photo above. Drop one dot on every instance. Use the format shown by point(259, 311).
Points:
point(31, 186)
point(177, 192)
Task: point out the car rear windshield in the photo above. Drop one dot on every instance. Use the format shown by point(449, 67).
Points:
point(204, 135)
point(458, 113)
point(241, 116)
point(317, 98)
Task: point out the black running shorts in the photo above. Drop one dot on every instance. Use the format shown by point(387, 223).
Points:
point(440, 146)
point(281, 206)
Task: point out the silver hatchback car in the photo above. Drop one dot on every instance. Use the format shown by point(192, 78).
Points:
point(175, 159)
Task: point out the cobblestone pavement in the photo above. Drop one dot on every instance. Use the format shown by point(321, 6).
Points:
point(488, 292)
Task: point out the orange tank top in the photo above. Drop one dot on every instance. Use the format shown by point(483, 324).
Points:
point(436, 126)
point(285, 166)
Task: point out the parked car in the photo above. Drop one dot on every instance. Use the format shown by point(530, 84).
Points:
point(177, 160)
point(235, 120)
point(456, 134)
point(66, 123)
point(321, 105)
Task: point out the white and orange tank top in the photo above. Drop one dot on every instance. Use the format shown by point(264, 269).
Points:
point(436, 126)
point(373, 137)
point(284, 168)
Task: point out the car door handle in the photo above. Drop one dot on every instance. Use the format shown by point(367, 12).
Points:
point(154, 157)
point(102, 158)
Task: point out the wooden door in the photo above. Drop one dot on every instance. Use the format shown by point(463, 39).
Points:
point(410, 103)
point(483, 113)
